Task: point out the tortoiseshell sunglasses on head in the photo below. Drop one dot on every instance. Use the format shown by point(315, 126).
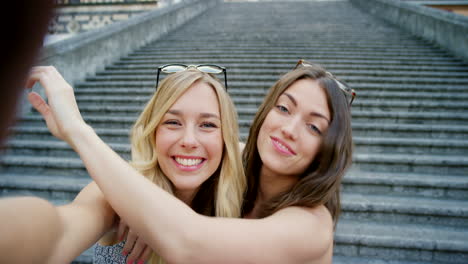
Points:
point(350, 94)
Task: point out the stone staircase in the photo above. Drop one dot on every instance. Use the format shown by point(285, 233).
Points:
point(404, 200)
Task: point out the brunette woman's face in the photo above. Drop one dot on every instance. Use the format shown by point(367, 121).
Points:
point(291, 134)
point(189, 141)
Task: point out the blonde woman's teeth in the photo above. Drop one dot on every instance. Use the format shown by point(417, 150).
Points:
point(188, 162)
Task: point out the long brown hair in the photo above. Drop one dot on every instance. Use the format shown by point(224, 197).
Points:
point(320, 183)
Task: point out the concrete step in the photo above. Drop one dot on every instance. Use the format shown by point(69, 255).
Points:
point(34, 165)
point(410, 145)
point(317, 55)
point(291, 60)
point(260, 43)
point(59, 187)
point(55, 148)
point(247, 114)
point(456, 165)
point(360, 87)
point(234, 72)
point(411, 163)
point(40, 131)
point(268, 67)
point(451, 147)
point(429, 185)
point(156, 47)
point(408, 242)
point(389, 78)
point(391, 209)
point(339, 259)
point(404, 130)
point(134, 104)
point(360, 129)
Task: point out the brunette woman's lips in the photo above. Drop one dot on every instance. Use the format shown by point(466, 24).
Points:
point(188, 163)
point(282, 147)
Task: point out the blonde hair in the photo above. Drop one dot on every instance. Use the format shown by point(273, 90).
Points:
point(228, 183)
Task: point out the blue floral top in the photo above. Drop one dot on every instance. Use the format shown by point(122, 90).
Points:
point(109, 254)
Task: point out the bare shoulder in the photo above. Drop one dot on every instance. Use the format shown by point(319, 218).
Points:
point(313, 229)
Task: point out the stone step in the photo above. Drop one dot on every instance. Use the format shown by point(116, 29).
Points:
point(452, 147)
point(433, 131)
point(339, 259)
point(55, 148)
point(292, 60)
point(408, 242)
point(156, 47)
point(272, 52)
point(393, 78)
point(385, 98)
point(317, 55)
point(40, 131)
point(269, 67)
point(115, 105)
point(234, 72)
point(360, 129)
point(34, 165)
point(247, 114)
point(411, 163)
point(246, 86)
point(199, 43)
point(410, 145)
point(456, 165)
point(429, 185)
point(393, 209)
point(58, 187)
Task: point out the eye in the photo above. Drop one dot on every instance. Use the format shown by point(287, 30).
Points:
point(208, 125)
point(314, 129)
point(282, 108)
point(172, 122)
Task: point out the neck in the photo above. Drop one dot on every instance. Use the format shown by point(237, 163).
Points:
point(185, 196)
point(272, 184)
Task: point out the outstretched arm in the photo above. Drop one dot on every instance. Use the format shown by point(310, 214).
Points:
point(84, 221)
point(171, 228)
point(30, 228)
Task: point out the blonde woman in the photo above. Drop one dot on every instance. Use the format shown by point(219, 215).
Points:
point(184, 142)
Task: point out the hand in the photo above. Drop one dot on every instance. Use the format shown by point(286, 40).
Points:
point(137, 250)
point(61, 113)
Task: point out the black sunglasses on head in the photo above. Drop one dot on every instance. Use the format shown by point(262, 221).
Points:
point(206, 68)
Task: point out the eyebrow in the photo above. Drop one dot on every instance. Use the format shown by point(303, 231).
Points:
point(317, 114)
point(203, 115)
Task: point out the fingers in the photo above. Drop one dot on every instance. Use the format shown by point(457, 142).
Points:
point(130, 241)
point(39, 104)
point(137, 250)
point(146, 255)
point(122, 230)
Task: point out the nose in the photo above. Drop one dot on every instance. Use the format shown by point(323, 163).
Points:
point(290, 129)
point(189, 139)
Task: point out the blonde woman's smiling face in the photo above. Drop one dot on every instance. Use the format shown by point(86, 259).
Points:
point(291, 134)
point(189, 142)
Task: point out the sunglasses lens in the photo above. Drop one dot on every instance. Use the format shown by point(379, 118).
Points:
point(210, 69)
point(173, 68)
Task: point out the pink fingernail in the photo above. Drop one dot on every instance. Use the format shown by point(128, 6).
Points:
point(125, 253)
point(129, 261)
point(140, 262)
